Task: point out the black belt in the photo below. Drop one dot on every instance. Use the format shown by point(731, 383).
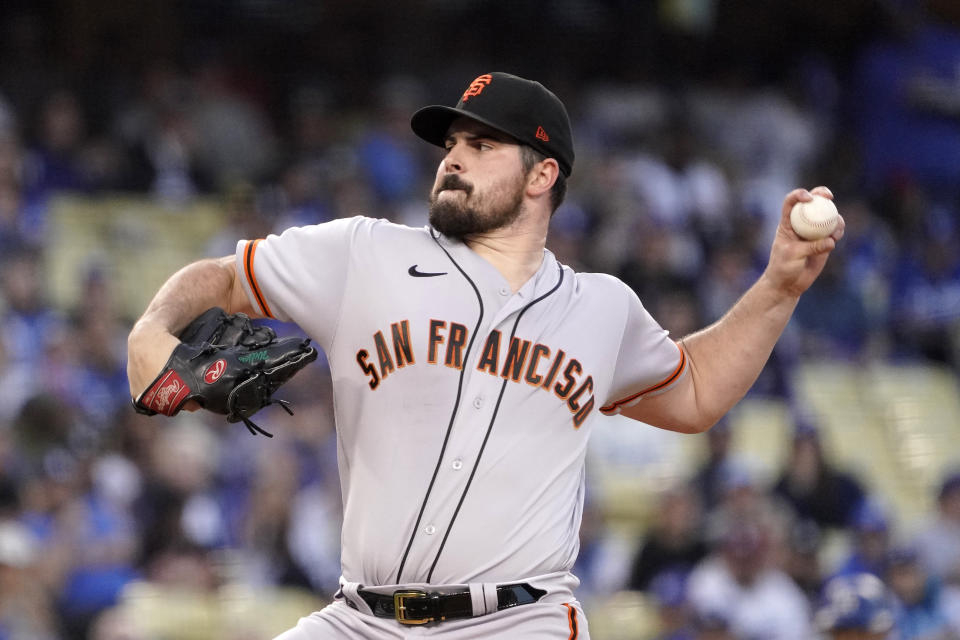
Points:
point(421, 607)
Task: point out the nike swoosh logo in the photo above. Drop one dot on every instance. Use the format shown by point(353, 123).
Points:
point(423, 274)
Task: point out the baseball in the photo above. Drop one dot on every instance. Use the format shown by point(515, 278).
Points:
point(815, 219)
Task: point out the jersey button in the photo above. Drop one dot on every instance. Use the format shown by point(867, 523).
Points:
point(504, 291)
point(457, 464)
point(478, 402)
point(429, 529)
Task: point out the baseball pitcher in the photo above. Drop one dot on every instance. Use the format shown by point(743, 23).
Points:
point(469, 367)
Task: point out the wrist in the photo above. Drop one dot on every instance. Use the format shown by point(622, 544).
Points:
point(775, 292)
point(149, 346)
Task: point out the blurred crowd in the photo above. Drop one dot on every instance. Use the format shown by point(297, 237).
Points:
point(728, 555)
point(677, 189)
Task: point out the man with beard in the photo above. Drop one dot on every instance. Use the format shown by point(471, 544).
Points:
point(469, 368)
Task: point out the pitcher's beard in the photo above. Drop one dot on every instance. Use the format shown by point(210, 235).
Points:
point(455, 219)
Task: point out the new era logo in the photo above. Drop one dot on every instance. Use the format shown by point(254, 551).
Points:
point(541, 134)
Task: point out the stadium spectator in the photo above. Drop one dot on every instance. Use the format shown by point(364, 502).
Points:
point(812, 486)
point(925, 292)
point(100, 359)
point(603, 561)
point(709, 478)
point(712, 625)
point(266, 521)
point(26, 611)
point(802, 557)
point(745, 497)
point(833, 319)
point(675, 540)
point(235, 141)
point(906, 90)
point(939, 540)
point(857, 606)
point(870, 537)
point(869, 261)
point(668, 591)
point(30, 324)
point(921, 612)
point(13, 232)
point(158, 138)
point(740, 580)
point(116, 624)
point(176, 511)
point(386, 151)
point(53, 165)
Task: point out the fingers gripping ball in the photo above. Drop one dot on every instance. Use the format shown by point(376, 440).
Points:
point(227, 365)
point(815, 219)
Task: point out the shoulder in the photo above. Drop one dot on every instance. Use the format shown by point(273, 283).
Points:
point(359, 228)
point(606, 290)
point(361, 222)
point(600, 283)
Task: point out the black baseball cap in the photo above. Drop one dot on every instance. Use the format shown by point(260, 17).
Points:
point(523, 109)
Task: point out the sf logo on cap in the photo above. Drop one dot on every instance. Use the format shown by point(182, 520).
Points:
point(476, 87)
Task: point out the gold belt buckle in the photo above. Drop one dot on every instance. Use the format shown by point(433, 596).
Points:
point(400, 609)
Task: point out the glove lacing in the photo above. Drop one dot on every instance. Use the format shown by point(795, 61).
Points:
point(252, 426)
point(233, 416)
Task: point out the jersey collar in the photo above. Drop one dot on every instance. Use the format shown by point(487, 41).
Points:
point(488, 275)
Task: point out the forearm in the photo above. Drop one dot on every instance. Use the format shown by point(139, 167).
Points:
point(188, 293)
point(726, 358)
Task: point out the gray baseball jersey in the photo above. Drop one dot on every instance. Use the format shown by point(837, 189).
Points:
point(463, 409)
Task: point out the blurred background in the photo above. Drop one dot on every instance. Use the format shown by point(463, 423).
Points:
point(137, 137)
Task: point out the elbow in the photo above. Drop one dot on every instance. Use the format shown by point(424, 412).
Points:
point(694, 422)
point(705, 424)
point(690, 425)
point(693, 427)
point(706, 417)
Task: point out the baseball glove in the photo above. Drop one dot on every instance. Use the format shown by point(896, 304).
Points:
point(227, 365)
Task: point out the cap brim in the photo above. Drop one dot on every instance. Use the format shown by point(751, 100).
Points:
point(432, 123)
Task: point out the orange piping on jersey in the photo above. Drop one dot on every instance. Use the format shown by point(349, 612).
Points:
point(572, 621)
point(613, 406)
point(248, 254)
